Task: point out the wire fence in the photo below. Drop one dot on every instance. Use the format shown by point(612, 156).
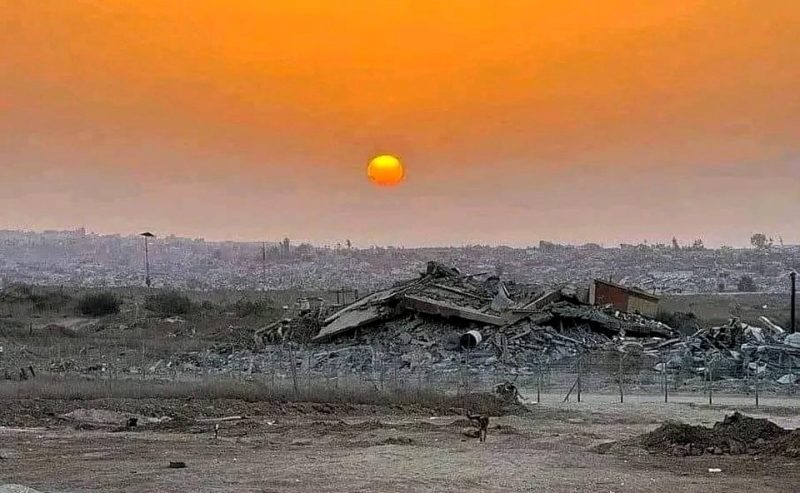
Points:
point(605, 375)
point(602, 375)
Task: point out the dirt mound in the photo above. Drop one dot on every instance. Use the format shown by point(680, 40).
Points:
point(736, 434)
point(748, 430)
point(788, 445)
point(669, 435)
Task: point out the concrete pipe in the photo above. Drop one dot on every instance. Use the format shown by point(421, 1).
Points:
point(471, 339)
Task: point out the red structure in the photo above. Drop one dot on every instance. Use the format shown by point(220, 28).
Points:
point(623, 298)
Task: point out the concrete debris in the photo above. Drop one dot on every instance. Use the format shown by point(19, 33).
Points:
point(350, 320)
point(443, 292)
point(768, 323)
point(736, 350)
point(471, 339)
point(508, 393)
point(444, 318)
point(793, 340)
point(16, 488)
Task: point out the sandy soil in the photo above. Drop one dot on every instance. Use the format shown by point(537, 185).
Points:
point(381, 451)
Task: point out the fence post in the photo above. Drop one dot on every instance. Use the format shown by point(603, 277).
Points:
point(539, 382)
point(755, 373)
point(272, 369)
point(619, 379)
point(664, 378)
point(580, 373)
point(466, 372)
point(710, 382)
point(566, 397)
point(293, 368)
point(308, 369)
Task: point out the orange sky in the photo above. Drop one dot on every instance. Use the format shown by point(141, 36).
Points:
point(573, 120)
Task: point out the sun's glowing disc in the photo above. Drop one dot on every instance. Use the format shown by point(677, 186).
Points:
point(386, 170)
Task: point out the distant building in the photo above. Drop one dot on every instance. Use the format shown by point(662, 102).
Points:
point(623, 298)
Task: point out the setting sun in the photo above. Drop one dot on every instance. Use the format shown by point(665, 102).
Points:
point(385, 170)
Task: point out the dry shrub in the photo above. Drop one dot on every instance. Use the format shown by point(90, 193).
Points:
point(99, 304)
point(169, 303)
point(345, 391)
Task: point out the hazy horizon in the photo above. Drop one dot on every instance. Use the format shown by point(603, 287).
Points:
point(606, 121)
point(683, 242)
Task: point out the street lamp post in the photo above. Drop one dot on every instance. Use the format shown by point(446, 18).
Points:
point(147, 235)
point(793, 301)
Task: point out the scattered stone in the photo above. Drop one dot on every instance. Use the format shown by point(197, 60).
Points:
point(16, 488)
point(399, 441)
point(471, 432)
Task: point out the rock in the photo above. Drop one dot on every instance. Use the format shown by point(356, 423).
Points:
point(788, 379)
point(792, 340)
point(405, 338)
point(679, 451)
point(16, 488)
point(736, 447)
point(717, 451)
point(470, 432)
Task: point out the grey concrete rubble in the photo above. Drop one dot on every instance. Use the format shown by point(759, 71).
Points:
point(736, 350)
point(416, 327)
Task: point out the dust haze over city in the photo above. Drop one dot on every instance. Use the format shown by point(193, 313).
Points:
point(419, 245)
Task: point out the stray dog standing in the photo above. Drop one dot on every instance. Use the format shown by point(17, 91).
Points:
point(482, 423)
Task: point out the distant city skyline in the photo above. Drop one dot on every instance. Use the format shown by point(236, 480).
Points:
point(74, 258)
point(777, 240)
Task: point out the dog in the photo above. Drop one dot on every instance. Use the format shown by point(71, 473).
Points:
point(482, 423)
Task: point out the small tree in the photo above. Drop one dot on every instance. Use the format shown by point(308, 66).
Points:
point(746, 285)
point(169, 303)
point(99, 304)
point(759, 240)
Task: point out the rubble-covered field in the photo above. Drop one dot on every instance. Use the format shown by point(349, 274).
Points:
point(160, 390)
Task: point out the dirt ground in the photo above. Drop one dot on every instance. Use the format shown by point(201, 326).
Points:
point(321, 449)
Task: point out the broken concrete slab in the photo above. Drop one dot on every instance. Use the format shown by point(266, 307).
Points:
point(444, 309)
point(350, 320)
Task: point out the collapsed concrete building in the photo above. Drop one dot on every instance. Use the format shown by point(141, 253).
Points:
point(418, 324)
point(484, 300)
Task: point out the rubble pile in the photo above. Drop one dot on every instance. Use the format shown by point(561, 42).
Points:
point(418, 325)
point(737, 350)
point(476, 300)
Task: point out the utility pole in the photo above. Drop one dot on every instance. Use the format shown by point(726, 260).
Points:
point(793, 275)
point(147, 235)
point(264, 265)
